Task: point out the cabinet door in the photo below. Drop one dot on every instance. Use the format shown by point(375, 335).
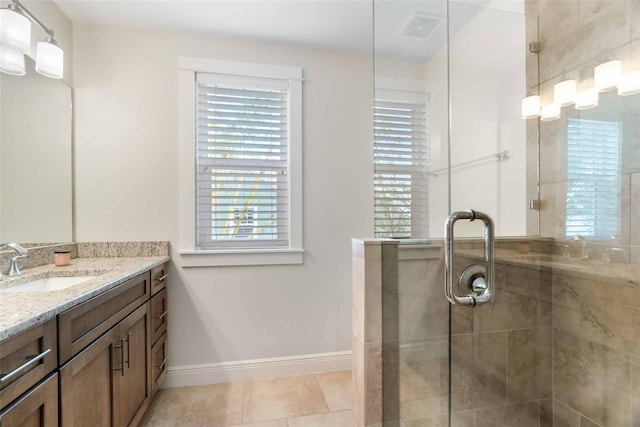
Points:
point(89, 384)
point(37, 408)
point(135, 381)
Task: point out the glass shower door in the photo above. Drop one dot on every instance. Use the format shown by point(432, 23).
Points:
point(500, 360)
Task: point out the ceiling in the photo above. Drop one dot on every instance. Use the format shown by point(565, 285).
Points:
point(345, 25)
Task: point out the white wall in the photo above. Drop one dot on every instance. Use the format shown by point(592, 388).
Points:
point(487, 81)
point(126, 88)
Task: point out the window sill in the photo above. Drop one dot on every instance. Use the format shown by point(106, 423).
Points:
point(241, 257)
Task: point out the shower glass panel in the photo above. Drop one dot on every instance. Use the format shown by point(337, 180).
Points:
point(561, 346)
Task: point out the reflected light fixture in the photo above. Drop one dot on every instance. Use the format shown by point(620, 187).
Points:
point(15, 29)
point(587, 98)
point(11, 61)
point(629, 84)
point(15, 34)
point(531, 107)
point(564, 93)
point(606, 76)
point(49, 59)
point(550, 111)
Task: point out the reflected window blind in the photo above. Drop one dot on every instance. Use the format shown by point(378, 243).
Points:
point(593, 178)
point(242, 145)
point(400, 169)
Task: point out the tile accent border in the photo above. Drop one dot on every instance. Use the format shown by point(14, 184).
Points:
point(246, 370)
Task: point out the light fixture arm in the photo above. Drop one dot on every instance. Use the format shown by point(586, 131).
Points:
point(17, 6)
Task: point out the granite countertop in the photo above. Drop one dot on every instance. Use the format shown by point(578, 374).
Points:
point(21, 310)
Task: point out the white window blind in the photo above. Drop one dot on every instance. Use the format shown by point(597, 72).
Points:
point(242, 145)
point(593, 178)
point(400, 169)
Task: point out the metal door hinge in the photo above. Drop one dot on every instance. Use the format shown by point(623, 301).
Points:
point(534, 204)
point(534, 47)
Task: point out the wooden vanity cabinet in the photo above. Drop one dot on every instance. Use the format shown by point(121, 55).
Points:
point(27, 358)
point(37, 408)
point(112, 358)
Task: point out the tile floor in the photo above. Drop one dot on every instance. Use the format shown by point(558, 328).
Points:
point(315, 400)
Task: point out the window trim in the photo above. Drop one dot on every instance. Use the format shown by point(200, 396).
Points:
point(191, 257)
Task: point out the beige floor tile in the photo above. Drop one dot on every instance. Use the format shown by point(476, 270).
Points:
point(272, 423)
point(332, 419)
point(283, 397)
point(215, 405)
point(336, 387)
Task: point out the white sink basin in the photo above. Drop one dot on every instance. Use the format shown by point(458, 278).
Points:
point(48, 284)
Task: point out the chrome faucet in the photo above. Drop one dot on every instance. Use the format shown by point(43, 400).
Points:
point(14, 269)
point(584, 249)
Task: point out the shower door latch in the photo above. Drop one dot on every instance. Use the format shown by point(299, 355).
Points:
point(476, 284)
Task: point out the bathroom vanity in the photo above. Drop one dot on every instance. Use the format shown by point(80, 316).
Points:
point(91, 354)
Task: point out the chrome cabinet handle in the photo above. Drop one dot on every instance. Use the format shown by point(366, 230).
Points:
point(160, 279)
point(24, 366)
point(476, 285)
point(128, 340)
point(162, 315)
point(121, 347)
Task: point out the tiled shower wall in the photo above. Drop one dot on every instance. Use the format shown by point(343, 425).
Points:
point(575, 36)
point(560, 348)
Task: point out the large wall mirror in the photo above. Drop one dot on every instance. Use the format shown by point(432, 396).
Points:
point(35, 159)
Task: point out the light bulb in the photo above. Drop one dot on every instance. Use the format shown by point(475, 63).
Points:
point(49, 60)
point(606, 76)
point(11, 61)
point(530, 107)
point(549, 112)
point(564, 93)
point(587, 98)
point(629, 84)
point(15, 30)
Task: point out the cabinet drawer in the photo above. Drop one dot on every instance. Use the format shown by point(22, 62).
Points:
point(83, 324)
point(159, 356)
point(159, 315)
point(39, 407)
point(158, 278)
point(27, 358)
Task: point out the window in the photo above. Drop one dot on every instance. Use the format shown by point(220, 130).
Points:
point(593, 181)
point(400, 169)
point(244, 158)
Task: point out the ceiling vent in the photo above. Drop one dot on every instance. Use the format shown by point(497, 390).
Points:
point(421, 25)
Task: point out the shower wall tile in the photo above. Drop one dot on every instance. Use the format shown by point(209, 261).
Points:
point(529, 367)
point(569, 42)
point(424, 309)
point(554, 210)
point(563, 416)
point(546, 413)
point(592, 379)
point(478, 370)
point(634, 212)
point(553, 149)
point(520, 414)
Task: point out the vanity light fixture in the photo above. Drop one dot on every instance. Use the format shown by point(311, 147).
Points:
point(564, 93)
point(49, 59)
point(15, 29)
point(14, 33)
point(531, 107)
point(550, 111)
point(587, 98)
point(629, 84)
point(606, 76)
point(11, 61)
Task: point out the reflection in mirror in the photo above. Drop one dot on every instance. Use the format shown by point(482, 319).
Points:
point(35, 158)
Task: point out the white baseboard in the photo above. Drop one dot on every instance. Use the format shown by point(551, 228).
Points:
point(245, 370)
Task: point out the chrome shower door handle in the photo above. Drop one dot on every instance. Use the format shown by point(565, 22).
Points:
point(476, 285)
